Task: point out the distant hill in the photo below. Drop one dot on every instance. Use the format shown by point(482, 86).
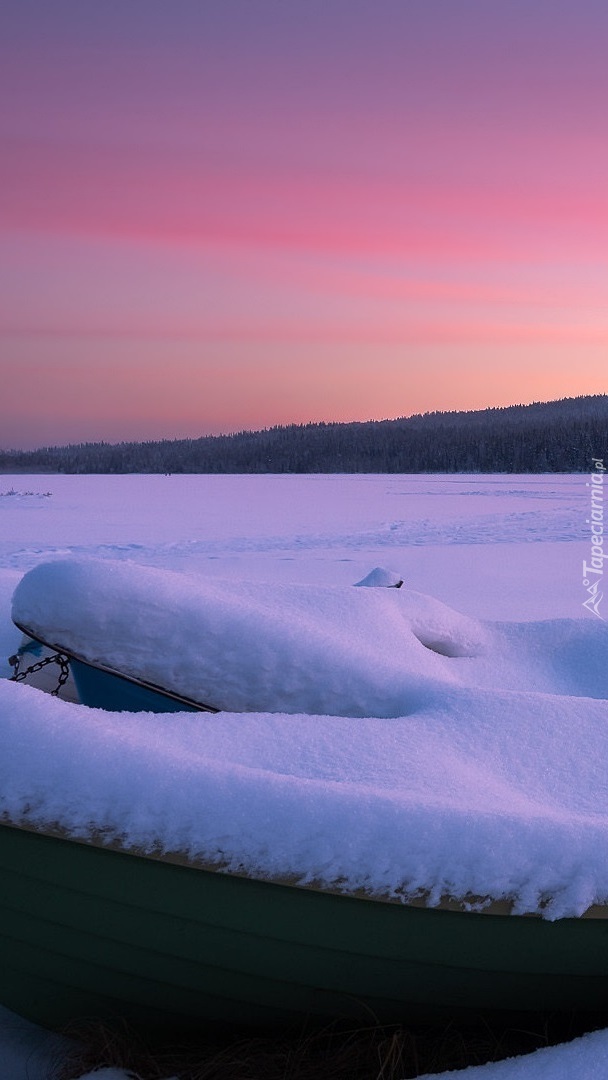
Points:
point(552, 436)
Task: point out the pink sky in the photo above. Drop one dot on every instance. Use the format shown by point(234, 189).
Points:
point(242, 213)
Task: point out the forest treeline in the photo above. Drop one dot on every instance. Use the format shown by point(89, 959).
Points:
point(554, 436)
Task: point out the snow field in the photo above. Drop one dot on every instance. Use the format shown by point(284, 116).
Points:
point(502, 738)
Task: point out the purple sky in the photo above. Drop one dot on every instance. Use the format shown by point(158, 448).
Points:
point(236, 213)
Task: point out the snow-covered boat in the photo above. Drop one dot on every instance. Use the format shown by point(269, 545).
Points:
point(132, 633)
point(247, 868)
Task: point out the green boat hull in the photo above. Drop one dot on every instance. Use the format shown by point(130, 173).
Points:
point(90, 932)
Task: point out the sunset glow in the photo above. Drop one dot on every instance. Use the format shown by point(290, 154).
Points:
point(241, 213)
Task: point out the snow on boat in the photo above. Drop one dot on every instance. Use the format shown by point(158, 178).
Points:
point(239, 646)
point(364, 831)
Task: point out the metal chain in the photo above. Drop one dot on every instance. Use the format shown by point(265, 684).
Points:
point(56, 658)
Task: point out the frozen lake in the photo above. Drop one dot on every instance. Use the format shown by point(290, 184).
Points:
point(498, 547)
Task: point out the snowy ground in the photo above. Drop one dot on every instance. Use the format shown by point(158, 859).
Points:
point(507, 548)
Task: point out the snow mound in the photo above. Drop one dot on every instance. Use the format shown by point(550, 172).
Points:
point(379, 578)
point(247, 646)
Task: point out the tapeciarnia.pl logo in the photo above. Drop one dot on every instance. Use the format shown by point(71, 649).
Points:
point(593, 571)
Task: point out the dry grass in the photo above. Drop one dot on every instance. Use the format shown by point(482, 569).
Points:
point(333, 1053)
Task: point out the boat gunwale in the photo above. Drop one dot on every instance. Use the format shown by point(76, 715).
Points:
point(468, 905)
